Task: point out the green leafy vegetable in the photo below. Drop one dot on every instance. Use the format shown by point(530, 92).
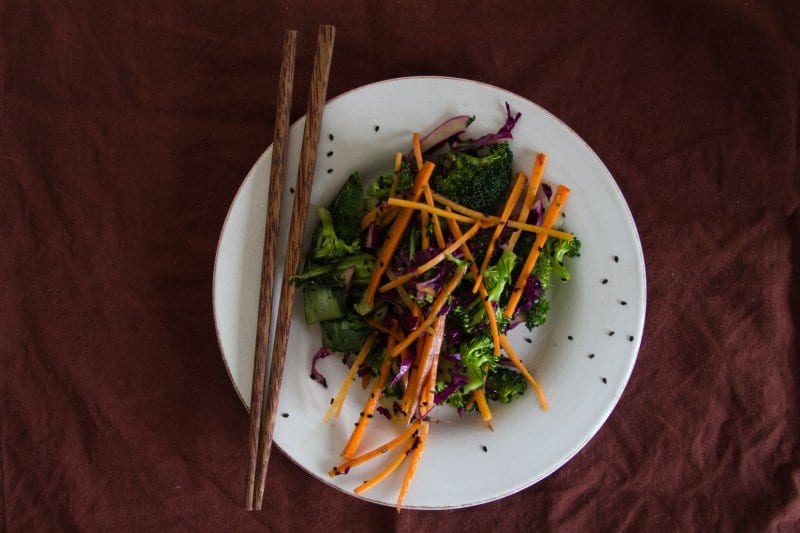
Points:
point(322, 303)
point(347, 209)
point(327, 245)
point(345, 334)
point(504, 384)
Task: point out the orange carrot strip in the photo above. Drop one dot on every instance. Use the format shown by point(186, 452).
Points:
point(371, 216)
point(398, 159)
point(426, 398)
point(340, 396)
point(437, 228)
point(438, 258)
point(417, 149)
point(424, 237)
point(412, 467)
point(553, 210)
point(524, 371)
point(530, 196)
point(436, 306)
point(399, 202)
point(490, 313)
point(391, 467)
point(423, 347)
point(372, 400)
point(395, 234)
point(372, 454)
point(383, 329)
point(511, 201)
point(389, 217)
point(431, 355)
point(483, 406)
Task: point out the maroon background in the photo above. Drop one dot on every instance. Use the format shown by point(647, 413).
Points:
point(127, 130)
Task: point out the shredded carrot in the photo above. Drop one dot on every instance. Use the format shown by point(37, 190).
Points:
point(417, 149)
point(395, 234)
point(389, 217)
point(372, 400)
point(391, 467)
point(383, 329)
point(431, 355)
point(553, 210)
point(424, 237)
point(426, 398)
point(398, 159)
point(412, 467)
point(340, 396)
point(437, 228)
point(436, 306)
point(372, 454)
point(524, 371)
point(486, 221)
point(530, 196)
point(371, 216)
point(511, 201)
point(490, 313)
point(435, 260)
point(483, 405)
point(415, 376)
point(458, 208)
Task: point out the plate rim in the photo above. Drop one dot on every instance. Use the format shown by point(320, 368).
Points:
point(628, 371)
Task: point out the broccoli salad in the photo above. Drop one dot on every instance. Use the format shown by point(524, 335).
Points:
point(409, 233)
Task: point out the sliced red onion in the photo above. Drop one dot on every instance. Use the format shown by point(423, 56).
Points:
point(439, 135)
point(347, 277)
point(493, 138)
point(403, 370)
point(316, 375)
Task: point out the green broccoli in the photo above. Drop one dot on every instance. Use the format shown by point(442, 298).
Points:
point(477, 358)
point(558, 250)
point(382, 185)
point(503, 384)
point(537, 314)
point(347, 209)
point(326, 244)
point(496, 278)
point(478, 182)
point(333, 274)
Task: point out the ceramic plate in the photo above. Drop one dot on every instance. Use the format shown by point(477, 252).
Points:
point(361, 130)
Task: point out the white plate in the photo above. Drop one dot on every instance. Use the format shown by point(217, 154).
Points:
point(527, 444)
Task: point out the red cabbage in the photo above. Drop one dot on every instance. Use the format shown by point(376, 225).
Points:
point(447, 130)
point(384, 411)
point(492, 138)
point(456, 382)
point(404, 366)
point(315, 375)
point(371, 240)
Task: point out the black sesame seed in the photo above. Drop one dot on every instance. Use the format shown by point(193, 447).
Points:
point(311, 376)
point(605, 380)
point(569, 337)
point(623, 302)
point(604, 281)
point(361, 413)
point(563, 279)
point(329, 153)
point(370, 416)
point(330, 171)
point(528, 340)
point(384, 450)
point(484, 448)
point(285, 415)
point(630, 338)
point(591, 356)
point(610, 333)
point(616, 259)
point(330, 136)
point(356, 424)
point(561, 263)
point(377, 128)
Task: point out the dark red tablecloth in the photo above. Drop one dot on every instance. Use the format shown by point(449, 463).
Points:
point(128, 126)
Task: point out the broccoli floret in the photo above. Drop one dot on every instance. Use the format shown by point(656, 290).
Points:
point(477, 358)
point(496, 278)
point(558, 250)
point(382, 185)
point(326, 244)
point(503, 384)
point(333, 274)
point(543, 269)
point(478, 182)
point(537, 314)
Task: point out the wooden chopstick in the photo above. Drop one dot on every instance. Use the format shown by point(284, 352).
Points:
point(276, 178)
point(302, 195)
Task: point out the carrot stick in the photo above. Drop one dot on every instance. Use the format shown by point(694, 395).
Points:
point(438, 258)
point(395, 234)
point(417, 149)
point(437, 229)
point(391, 467)
point(371, 216)
point(426, 398)
point(486, 221)
point(389, 217)
point(340, 396)
point(511, 201)
point(550, 217)
point(383, 329)
point(432, 354)
point(415, 374)
point(398, 159)
point(426, 240)
point(372, 454)
point(436, 306)
point(524, 371)
point(530, 196)
point(483, 406)
point(456, 231)
point(372, 400)
point(412, 467)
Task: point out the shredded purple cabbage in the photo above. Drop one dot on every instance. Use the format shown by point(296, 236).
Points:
point(502, 134)
point(548, 190)
point(456, 381)
point(403, 370)
point(364, 370)
point(536, 214)
point(315, 374)
point(531, 293)
point(371, 240)
point(384, 411)
point(453, 335)
point(408, 321)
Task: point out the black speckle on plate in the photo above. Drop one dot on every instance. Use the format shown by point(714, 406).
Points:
point(610, 333)
point(605, 380)
point(377, 128)
point(484, 448)
point(330, 136)
point(570, 337)
point(329, 153)
point(623, 302)
point(591, 356)
point(528, 340)
point(330, 171)
point(630, 338)
point(616, 259)
point(605, 280)
point(285, 415)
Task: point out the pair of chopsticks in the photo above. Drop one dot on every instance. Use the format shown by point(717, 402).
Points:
point(262, 415)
